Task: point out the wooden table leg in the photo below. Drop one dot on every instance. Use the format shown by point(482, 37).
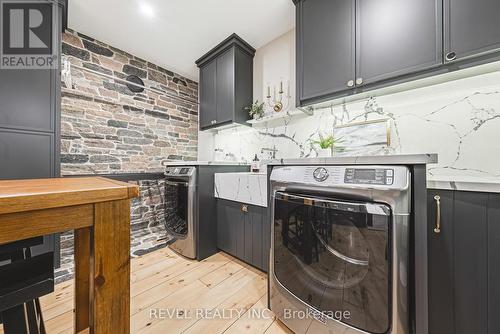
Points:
point(112, 267)
point(83, 282)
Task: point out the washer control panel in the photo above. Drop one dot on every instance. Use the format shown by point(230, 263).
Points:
point(352, 176)
point(381, 176)
point(179, 171)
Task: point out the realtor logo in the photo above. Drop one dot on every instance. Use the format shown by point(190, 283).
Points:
point(28, 33)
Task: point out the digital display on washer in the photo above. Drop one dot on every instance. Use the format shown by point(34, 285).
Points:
point(364, 174)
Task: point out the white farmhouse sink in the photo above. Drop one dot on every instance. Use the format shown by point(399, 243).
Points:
point(248, 188)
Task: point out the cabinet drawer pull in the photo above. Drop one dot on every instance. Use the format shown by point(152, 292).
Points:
point(359, 81)
point(437, 229)
point(450, 56)
point(244, 208)
point(350, 83)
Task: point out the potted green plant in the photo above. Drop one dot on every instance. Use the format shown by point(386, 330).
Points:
point(325, 145)
point(256, 110)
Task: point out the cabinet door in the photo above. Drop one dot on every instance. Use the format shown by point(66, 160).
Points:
point(471, 262)
point(441, 270)
point(248, 249)
point(225, 87)
point(471, 27)
point(325, 47)
point(208, 102)
point(228, 218)
point(396, 37)
point(21, 151)
point(493, 261)
point(255, 218)
point(266, 239)
point(239, 225)
point(26, 99)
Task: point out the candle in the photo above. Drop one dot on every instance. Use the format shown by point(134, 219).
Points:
point(268, 92)
point(281, 87)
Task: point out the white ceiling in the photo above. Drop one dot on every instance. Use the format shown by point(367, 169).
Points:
point(175, 33)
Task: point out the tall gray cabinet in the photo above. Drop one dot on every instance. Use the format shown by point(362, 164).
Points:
point(30, 126)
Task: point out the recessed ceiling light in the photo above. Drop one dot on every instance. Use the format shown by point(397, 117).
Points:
point(146, 9)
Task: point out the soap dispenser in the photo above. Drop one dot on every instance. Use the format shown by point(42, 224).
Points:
point(255, 165)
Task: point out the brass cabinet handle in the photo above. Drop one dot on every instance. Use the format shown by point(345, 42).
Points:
point(437, 229)
point(244, 208)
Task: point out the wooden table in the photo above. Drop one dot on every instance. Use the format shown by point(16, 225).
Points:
point(98, 209)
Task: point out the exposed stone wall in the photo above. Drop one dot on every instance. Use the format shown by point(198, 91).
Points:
point(147, 229)
point(106, 128)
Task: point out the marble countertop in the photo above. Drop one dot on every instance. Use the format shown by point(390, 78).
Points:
point(491, 185)
point(205, 163)
point(403, 159)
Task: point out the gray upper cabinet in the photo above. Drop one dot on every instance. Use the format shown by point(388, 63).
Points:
point(225, 87)
point(207, 94)
point(226, 83)
point(346, 47)
point(325, 47)
point(471, 28)
point(397, 37)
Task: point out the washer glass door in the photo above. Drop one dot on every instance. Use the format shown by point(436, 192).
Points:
point(335, 256)
point(176, 207)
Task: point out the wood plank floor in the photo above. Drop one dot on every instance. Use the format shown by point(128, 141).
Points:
point(218, 295)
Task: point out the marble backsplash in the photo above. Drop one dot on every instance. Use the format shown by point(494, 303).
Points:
point(458, 120)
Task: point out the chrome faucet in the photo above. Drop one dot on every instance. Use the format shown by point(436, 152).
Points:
point(272, 151)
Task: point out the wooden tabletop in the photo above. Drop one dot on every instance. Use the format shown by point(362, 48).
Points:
point(37, 194)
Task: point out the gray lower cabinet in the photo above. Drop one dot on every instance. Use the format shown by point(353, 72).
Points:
point(325, 47)
point(241, 230)
point(226, 83)
point(471, 28)
point(397, 37)
point(464, 257)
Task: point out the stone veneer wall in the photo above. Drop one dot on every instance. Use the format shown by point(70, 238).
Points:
point(147, 229)
point(106, 128)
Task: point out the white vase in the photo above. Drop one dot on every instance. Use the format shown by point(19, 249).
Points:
point(324, 152)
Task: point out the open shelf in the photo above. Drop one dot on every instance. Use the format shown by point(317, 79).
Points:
point(296, 113)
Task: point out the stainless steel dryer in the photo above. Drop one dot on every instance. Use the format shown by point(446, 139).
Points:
point(340, 248)
point(180, 206)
